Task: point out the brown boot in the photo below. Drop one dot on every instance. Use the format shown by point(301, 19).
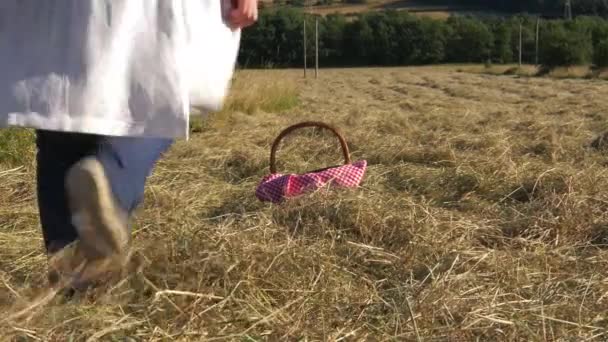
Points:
point(101, 224)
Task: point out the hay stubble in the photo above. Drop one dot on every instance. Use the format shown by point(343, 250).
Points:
point(483, 215)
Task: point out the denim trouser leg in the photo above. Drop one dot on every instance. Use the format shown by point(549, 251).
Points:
point(127, 162)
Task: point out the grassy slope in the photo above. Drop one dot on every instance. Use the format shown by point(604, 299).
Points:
point(482, 215)
point(432, 9)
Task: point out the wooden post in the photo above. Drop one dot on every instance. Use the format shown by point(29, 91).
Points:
point(317, 48)
point(520, 43)
point(568, 10)
point(304, 47)
point(537, 39)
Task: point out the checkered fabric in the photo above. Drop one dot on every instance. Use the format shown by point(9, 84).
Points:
point(277, 187)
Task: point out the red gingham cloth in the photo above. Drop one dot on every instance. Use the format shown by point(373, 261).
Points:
point(277, 187)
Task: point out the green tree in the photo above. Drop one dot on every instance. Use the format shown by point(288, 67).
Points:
point(405, 32)
point(502, 50)
point(470, 41)
point(528, 35)
point(430, 41)
point(399, 38)
point(275, 40)
point(256, 48)
point(600, 54)
point(595, 27)
point(382, 47)
point(563, 47)
point(332, 40)
point(358, 37)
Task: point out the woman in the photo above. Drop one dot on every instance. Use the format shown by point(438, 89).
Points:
point(108, 85)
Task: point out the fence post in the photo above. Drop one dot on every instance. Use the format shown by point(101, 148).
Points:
point(520, 43)
point(537, 40)
point(317, 48)
point(305, 47)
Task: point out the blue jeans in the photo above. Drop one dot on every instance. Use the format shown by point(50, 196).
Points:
point(127, 161)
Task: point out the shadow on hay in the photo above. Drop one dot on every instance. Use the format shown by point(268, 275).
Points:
point(344, 214)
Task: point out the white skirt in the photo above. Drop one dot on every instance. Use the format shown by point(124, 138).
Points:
point(113, 67)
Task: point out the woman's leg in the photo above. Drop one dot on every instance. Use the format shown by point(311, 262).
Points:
point(57, 153)
point(128, 162)
point(89, 185)
point(104, 189)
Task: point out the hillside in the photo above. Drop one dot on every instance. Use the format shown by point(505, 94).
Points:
point(420, 8)
point(444, 8)
point(417, 7)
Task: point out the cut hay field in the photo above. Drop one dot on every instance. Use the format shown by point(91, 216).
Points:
point(483, 217)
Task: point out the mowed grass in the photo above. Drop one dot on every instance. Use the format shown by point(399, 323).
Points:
point(527, 70)
point(482, 217)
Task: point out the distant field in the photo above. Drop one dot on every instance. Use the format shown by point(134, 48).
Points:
point(417, 7)
point(483, 217)
point(356, 9)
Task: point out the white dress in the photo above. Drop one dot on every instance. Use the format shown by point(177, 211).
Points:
point(113, 67)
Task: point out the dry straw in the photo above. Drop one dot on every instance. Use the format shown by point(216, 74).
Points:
point(483, 217)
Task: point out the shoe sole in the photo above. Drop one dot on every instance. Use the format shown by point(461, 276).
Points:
point(101, 229)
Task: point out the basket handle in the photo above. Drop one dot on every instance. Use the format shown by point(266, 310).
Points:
point(285, 132)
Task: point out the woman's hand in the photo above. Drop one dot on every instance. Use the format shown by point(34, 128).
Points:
point(244, 13)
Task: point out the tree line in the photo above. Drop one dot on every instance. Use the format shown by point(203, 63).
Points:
point(394, 38)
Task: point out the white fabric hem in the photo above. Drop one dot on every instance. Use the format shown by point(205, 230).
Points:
point(89, 125)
